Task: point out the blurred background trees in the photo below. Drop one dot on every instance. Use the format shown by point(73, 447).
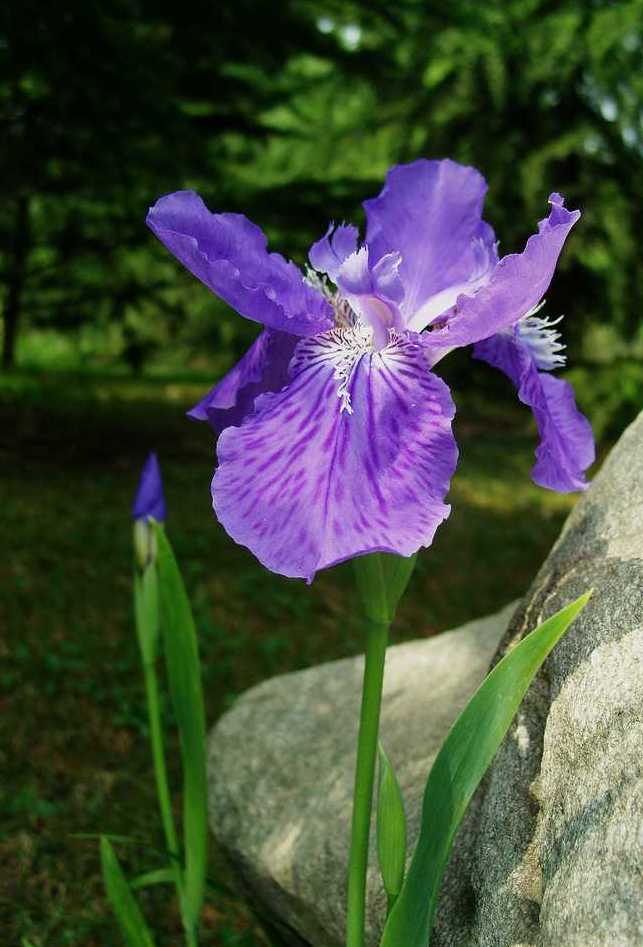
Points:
point(291, 113)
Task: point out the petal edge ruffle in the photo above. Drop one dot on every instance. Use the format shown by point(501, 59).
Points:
point(566, 447)
point(516, 285)
point(229, 254)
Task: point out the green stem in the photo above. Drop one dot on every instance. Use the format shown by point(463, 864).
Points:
point(364, 779)
point(158, 756)
point(146, 607)
point(191, 939)
point(162, 788)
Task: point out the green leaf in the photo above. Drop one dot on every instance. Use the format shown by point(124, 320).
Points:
point(159, 876)
point(382, 579)
point(391, 829)
point(127, 911)
point(146, 612)
point(184, 675)
point(458, 768)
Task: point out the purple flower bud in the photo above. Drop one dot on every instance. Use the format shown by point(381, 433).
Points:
point(149, 500)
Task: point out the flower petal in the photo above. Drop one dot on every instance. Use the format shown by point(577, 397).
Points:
point(328, 254)
point(429, 211)
point(229, 254)
point(482, 260)
point(566, 446)
point(516, 286)
point(311, 479)
point(263, 368)
point(149, 499)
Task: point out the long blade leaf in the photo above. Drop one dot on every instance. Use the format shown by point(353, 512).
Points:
point(159, 876)
point(127, 911)
point(458, 768)
point(184, 675)
point(391, 829)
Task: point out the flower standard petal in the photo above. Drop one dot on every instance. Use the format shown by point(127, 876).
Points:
point(354, 456)
point(516, 286)
point(481, 262)
point(263, 368)
point(566, 446)
point(229, 254)
point(430, 212)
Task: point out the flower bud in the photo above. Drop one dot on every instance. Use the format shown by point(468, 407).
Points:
point(149, 503)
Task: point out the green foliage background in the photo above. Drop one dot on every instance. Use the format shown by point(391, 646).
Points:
point(291, 113)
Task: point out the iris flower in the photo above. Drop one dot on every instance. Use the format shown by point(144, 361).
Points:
point(334, 431)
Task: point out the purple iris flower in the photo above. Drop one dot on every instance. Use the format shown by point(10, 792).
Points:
point(149, 500)
point(335, 433)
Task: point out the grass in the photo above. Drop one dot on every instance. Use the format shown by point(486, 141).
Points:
point(73, 748)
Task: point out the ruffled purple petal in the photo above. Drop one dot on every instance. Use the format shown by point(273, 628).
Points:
point(328, 254)
point(430, 212)
point(149, 499)
point(566, 446)
point(354, 456)
point(516, 286)
point(263, 368)
point(229, 254)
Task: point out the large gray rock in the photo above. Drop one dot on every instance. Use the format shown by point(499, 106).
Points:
point(551, 851)
point(281, 771)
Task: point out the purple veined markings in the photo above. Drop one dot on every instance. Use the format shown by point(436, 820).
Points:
point(334, 430)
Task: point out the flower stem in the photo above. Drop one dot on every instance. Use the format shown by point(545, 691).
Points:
point(191, 939)
point(364, 780)
point(381, 581)
point(147, 628)
point(162, 789)
point(158, 756)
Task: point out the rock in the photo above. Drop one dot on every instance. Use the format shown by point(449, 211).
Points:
point(553, 844)
point(551, 851)
point(281, 772)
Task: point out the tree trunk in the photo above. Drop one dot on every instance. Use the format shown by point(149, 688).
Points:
point(16, 280)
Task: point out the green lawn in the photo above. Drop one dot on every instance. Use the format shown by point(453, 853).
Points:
point(73, 750)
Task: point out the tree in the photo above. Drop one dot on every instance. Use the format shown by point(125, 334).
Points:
point(103, 106)
point(540, 95)
point(292, 113)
